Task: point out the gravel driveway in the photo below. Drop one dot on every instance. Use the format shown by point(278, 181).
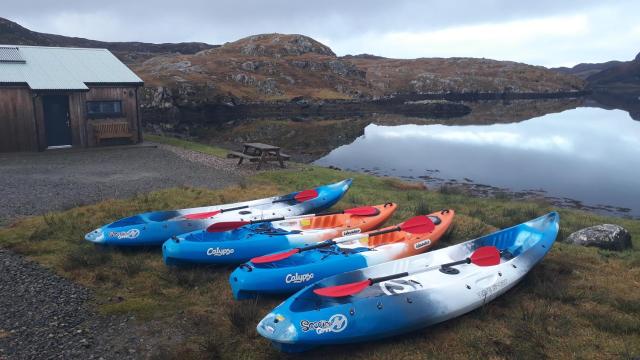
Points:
point(35, 183)
point(43, 316)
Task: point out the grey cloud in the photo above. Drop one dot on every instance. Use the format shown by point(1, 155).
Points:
point(223, 20)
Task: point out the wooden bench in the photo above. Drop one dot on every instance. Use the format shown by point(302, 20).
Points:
point(241, 156)
point(252, 158)
point(112, 130)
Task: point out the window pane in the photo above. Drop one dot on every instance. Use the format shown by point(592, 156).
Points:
point(97, 109)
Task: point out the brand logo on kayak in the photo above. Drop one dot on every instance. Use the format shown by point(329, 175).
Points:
point(219, 252)
point(336, 323)
point(298, 278)
point(400, 286)
point(351, 232)
point(421, 244)
point(488, 291)
point(129, 234)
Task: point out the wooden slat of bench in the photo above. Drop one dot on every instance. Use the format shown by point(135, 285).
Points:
point(236, 154)
point(111, 130)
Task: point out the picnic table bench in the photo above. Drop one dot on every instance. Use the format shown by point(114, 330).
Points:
point(260, 153)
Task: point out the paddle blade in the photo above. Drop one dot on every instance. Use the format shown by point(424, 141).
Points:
point(306, 195)
point(343, 290)
point(486, 256)
point(363, 211)
point(226, 226)
point(274, 257)
point(203, 215)
point(418, 225)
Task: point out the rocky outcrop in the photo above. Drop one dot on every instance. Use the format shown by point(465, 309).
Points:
point(278, 45)
point(461, 76)
point(606, 236)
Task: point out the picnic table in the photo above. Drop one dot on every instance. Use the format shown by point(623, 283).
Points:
point(261, 153)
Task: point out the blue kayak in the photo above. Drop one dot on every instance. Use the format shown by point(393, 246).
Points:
point(246, 242)
point(299, 270)
point(154, 228)
point(409, 293)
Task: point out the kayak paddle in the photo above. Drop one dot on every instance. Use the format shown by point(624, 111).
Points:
point(232, 225)
point(301, 196)
point(416, 225)
point(483, 256)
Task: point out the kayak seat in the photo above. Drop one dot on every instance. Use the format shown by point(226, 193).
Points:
point(329, 221)
point(132, 220)
point(162, 215)
point(387, 238)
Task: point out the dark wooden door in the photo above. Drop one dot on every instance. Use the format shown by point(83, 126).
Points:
point(56, 120)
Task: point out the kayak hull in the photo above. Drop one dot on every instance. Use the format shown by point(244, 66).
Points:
point(296, 272)
point(154, 228)
point(393, 307)
point(247, 242)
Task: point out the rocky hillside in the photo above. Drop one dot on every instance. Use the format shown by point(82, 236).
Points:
point(260, 67)
point(129, 52)
point(197, 80)
point(460, 75)
point(284, 67)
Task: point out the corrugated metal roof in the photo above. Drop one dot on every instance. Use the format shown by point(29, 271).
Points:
point(10, 55)
point(52, 68)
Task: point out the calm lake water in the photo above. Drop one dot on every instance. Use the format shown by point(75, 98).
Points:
point(591, 155)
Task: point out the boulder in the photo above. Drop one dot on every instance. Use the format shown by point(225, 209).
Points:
point(605, 236)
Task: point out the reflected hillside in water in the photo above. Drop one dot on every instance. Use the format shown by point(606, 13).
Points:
point(586, 158)
point(309, 139)
point(627, 101)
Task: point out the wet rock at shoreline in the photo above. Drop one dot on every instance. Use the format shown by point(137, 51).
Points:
point(605, 236)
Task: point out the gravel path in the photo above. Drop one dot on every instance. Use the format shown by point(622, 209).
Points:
point(35, 183)
point(44, 316)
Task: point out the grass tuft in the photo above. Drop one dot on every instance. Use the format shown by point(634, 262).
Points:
point(83, 257)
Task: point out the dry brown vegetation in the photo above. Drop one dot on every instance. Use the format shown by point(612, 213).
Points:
point(272, 67)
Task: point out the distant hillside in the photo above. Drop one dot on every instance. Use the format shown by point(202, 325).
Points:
point(461, 75)
point(611, 75)
point(284, 67)
point(14, 34)
point(623, 76)
point(584, 70)
point(259, 67)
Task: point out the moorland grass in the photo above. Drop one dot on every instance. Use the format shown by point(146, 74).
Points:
point(578, 303)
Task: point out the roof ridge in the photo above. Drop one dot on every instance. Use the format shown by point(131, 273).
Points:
point(53, 47)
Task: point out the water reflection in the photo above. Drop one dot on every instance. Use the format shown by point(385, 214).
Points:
point(587, 154)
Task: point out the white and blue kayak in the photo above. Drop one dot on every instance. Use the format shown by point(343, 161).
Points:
point(409, 293)
point(154, 228)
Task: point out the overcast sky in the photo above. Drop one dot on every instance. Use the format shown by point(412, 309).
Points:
point(541, 32)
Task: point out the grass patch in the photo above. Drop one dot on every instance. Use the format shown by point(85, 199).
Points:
point(579, 302)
